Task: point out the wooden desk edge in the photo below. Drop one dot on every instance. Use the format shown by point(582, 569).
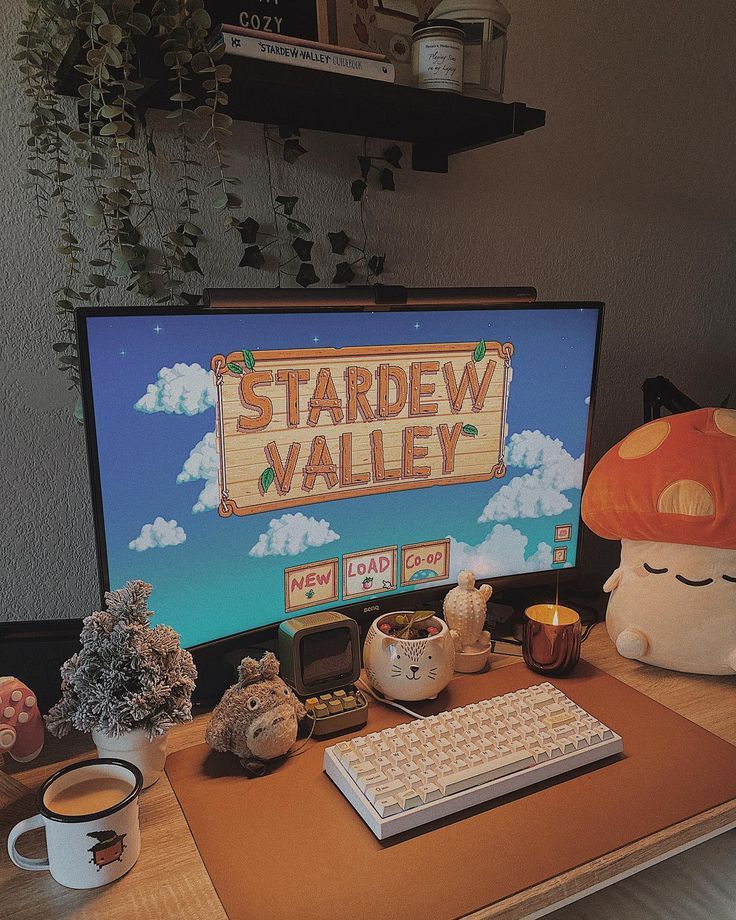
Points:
point(607, 869)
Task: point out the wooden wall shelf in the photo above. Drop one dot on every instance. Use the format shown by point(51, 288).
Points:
point(436, 124)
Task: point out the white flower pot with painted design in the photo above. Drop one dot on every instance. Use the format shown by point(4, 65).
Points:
point(137, 748)
point(409, 669)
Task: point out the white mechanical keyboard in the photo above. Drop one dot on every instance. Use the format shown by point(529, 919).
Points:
point(404, 777)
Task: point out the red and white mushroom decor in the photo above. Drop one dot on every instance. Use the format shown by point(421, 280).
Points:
point(668, 492)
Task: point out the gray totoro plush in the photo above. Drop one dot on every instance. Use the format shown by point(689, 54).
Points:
point(257, 718)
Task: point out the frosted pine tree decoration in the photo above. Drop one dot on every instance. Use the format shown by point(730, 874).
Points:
point(127, 676)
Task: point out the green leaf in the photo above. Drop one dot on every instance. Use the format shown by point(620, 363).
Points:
point(297, 226)
point(221, 120)
point(306, 275)
point(338, 241)
point(139, 22)
point(387, 180)
point(303, 248)
point(201, 63)
point(110, 33)
point(344, 273)
point(470, 430)
point(375, 264)
point(293, 150)
point(288, 202)
point(192, 299)
point(393, 155)
point(189, 263)
point(358, 189)
point(252, 258)
point(235, 368)
point(267, 477)
point(248, 230)
point(248, 359)
point(480, 351)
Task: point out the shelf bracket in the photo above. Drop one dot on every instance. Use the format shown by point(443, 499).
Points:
point(429, 158)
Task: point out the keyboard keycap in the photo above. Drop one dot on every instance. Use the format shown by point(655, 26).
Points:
point(493, 769)
point(387, 806)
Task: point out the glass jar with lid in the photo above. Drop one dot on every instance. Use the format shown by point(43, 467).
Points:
point(437, 55)
point(485, 23)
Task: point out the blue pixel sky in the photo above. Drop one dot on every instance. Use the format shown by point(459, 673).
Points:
point(206, 582)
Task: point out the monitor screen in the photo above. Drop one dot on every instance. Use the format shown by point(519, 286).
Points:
point(252, 465)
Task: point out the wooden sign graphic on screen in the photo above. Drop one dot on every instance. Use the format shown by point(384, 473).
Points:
point(312, 425)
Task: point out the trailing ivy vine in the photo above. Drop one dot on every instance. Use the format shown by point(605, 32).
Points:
point(92, 165)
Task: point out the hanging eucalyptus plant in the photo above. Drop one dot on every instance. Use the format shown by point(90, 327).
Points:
point(90, 172)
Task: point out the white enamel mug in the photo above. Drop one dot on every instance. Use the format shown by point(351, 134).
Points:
point(85, 851)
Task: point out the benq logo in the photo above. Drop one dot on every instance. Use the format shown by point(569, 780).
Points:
point(371, 608)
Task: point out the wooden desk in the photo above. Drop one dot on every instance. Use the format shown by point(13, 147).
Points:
point(170, 881)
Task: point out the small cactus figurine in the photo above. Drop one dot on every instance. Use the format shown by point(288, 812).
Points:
point(465, 613)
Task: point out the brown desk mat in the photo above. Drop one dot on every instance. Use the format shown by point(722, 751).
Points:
point(288, 845)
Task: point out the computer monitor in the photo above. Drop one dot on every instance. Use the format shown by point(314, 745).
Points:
point(256, 464)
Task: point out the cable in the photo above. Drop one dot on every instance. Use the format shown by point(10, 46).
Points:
point(299, 749)
point(382, 699)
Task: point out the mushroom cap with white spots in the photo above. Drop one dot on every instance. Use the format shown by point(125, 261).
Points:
point(673, 481)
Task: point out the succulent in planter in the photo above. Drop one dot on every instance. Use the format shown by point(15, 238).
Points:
point(416, 625)
point(128, 684)
point(409, 655)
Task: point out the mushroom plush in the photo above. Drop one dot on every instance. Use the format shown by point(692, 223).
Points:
point(257, 718)
point(668, 492)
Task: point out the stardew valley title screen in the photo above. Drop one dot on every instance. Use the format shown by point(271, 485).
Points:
point(257, 465)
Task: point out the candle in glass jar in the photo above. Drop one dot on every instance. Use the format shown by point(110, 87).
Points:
point(551, 638)
point(437, 55)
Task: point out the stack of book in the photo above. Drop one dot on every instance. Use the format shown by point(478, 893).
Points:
point(300, 52)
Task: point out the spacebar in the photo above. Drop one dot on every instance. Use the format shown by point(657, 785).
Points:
point(485, 772)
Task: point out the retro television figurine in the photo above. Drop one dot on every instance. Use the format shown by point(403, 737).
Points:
point(320, 660)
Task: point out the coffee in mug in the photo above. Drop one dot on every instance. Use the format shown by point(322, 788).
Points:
point(88, 796)
point(89, 811)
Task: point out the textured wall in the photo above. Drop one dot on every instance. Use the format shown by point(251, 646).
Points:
point(627, 196)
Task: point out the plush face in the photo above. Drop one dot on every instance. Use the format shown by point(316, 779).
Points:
point(409, 669)
point(267, 722)
point(257, 719)
point(674, 606)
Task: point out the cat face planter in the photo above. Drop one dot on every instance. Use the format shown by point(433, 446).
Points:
point(409, 669)
point(668, 492)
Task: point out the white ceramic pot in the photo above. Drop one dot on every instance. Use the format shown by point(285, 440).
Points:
point(409, 669)
point(135, 747)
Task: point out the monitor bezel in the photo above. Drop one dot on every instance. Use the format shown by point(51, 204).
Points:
point(363, 611)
